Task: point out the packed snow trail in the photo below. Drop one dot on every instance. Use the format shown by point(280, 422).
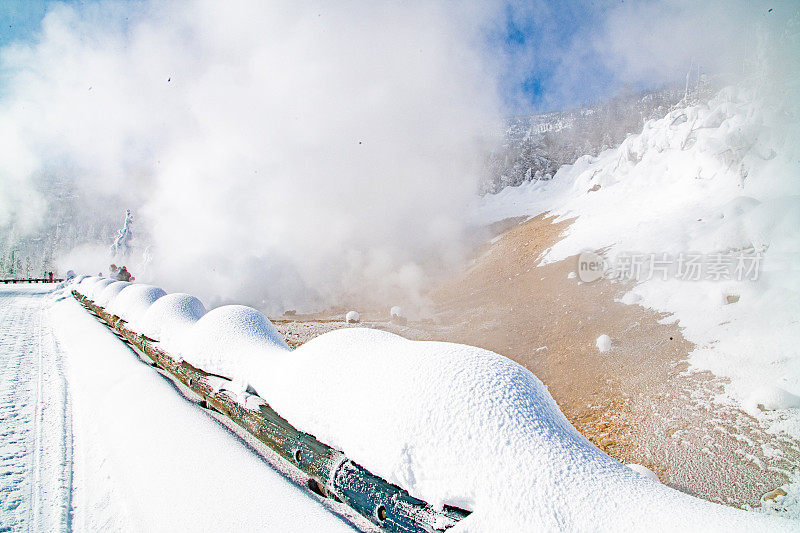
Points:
point(35, 441)
point(145, 458)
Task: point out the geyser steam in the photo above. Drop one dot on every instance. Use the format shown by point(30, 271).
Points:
point(278, 154)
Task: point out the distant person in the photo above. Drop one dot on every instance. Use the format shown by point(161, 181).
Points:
point(50, 276)
point(123, 274)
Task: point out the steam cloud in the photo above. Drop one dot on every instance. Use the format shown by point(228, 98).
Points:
point(284, 154)
point(276, 154)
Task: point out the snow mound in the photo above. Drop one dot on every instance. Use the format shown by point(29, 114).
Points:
point(603, 343)
point(75, 281)
point(228, 339)
point(110, 293)
point(97, 288)
point(352, 317)
point(132, 302)
point(84, 286)
point(644, 471)
point(771, 398)
point(169, 318)
point(397, 315)
point(460, 425)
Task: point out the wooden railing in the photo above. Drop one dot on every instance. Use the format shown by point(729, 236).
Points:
point(328, 471)
point(32, 280)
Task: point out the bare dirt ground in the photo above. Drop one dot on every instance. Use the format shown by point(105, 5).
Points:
point(640, 402)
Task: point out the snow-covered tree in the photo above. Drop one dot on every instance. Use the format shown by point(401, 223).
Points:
point(534, 147)
point(122, 243)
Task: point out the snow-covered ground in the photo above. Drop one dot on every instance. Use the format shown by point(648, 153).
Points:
point(702, 211)
point(452, 424)
point(119, 449)
point(35, 424)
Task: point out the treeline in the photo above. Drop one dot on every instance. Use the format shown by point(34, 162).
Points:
point(536, 146)
point(72, 220)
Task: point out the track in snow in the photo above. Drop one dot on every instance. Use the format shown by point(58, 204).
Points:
point(35, 432)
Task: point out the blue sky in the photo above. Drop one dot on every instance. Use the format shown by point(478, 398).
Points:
point(20, 19)
point(547, 55)
point(539, 40)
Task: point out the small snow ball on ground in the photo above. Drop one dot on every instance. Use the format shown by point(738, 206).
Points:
point(110, 293)
point(170, 317)
point(571, 275)
point(770, 398)
point(644, 471)
point(630, 298)
point(603, 343)
point(352, 317)
point(132, 302)
point(396, 315)
point(230, 339)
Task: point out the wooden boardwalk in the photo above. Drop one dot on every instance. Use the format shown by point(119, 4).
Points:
point(32, 280)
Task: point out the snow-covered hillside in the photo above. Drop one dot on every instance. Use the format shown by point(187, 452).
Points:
point(701, 210)
point(535, 146)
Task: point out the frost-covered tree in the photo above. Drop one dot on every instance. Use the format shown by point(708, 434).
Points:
point(534, 147)
point(121, 246)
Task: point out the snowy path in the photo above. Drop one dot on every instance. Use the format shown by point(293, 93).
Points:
point(35, 442)
point(145, 458)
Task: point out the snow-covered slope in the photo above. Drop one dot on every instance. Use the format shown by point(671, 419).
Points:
point(706, 201)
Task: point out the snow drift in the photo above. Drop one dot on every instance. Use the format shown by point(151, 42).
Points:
point(170, 318)
point(98, 288)
point(110, 293)
point(229, 340)
point(133, 301)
